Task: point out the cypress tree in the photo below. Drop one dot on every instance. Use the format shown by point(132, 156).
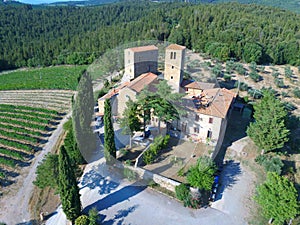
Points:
point(68, 189)
point(109, 136)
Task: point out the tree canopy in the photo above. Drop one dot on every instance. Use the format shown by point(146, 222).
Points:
point(109, 135)
point(201, 175)
point(277, 197)
point(269, 131)
point(68, 189)
point(77, 35)
point(47, 172)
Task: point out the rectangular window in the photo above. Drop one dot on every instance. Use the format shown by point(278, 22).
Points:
point(197, 117)
point(174, 55)
point(196, 130)
point(171, 57)
point(211, 120)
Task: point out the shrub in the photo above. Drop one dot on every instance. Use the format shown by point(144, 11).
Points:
point(227, 77)
point(296, 92)
point(158, 144)
point(180, 172)
point(288, 73)
point(240, 69)
point(243, 86)
point(182, 192)
point(271, 164)
point(275, 74)
point(289, 106)
point(93, 216)
point(284, 94)
point(201, 175)
point(254, 76)
point(253, 66)
point(82, 220)
point(254, 93)
point(279, 83)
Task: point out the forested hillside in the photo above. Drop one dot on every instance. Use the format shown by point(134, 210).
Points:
point(292, 5)
point(76, 35)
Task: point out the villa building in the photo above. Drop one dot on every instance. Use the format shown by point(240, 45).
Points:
point(207, 107)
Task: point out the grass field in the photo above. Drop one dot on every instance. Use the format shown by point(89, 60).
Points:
point(60, 77)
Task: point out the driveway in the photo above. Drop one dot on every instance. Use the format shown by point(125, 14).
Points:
point(235, 191)
point(121, 202)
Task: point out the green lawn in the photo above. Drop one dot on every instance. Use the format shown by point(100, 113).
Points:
point(59, 77)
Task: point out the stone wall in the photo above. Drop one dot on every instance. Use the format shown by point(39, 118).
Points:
point(148, 176)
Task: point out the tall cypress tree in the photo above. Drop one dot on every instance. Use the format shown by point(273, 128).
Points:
point(109, 136)
point(68, 189)
point(83, 110)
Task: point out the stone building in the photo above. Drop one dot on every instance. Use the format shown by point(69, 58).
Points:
point(174, 65)
point(140, 60)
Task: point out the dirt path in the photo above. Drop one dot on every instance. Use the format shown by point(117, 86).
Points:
point(14, 206)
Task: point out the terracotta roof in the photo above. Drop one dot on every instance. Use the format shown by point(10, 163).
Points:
point(200, 85)
point(215, 102)
point(175, 47)
point(143, 80)
point(114, 91)
point(144, 48)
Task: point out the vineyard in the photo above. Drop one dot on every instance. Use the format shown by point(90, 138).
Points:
point(27, 119)
point(60, 77)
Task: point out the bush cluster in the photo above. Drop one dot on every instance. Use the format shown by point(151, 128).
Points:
point(183, 194)
point(158, 144)
point(271, 164)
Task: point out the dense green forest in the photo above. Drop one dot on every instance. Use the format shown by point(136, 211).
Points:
point(77, 35)
point(292, 5)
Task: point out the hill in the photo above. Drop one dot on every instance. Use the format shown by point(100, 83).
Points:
point(292, 5)
point(82, 3)
point(77, 35)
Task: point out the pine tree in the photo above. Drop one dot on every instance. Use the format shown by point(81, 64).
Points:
point(109, 136)
point(68, 189)
point(83, 110)
point(269, 130)
point(278, 198)
point(130, 121)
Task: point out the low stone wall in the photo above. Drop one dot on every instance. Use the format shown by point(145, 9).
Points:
point(148, 176)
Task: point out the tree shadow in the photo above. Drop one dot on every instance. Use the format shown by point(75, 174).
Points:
point(236, 130)
point(93, 179)
point(117, 197)
point(229, 175)
point(46, 217)
point(31, 222)
point(120, 216)
point(163, 168)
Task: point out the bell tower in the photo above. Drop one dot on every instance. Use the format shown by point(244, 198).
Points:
point(174, 65)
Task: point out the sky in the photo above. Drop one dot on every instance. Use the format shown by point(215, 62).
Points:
point(42, 1)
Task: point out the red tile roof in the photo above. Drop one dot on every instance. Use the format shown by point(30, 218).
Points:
point(200, 85)
point(215, 102)
point(114, 91)
point(141, 81)
point(144, 48)
point(176, 47)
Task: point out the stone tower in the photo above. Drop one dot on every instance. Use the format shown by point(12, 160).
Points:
point(174, 65)
point(140, 60)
